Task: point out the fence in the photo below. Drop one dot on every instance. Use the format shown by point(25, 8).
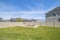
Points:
point(51, 24)
point(29, 24)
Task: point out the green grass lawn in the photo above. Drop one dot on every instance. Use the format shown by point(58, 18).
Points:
point(23, 33)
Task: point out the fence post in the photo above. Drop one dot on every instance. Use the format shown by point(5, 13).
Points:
point(40, 23)
point(46, 23)
point(54, 24)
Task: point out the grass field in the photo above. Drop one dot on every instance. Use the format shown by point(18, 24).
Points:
point(23, 33)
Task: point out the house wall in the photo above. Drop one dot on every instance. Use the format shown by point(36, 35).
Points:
point(53, 18)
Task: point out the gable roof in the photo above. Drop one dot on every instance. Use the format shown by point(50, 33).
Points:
point(55, 10)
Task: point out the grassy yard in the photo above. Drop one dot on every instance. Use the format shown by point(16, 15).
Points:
point(22, 33)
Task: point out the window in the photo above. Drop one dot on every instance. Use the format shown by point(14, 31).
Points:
point(54, 14)
point(59, 19)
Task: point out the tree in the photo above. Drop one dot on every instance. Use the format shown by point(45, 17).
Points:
point(19, 20)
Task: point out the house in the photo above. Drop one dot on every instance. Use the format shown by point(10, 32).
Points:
point(53, 15)
point(1, 19)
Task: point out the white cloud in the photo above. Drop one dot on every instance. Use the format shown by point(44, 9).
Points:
point(8, 11)
point(24, 12)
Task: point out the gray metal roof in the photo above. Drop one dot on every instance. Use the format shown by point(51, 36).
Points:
point(54, 11)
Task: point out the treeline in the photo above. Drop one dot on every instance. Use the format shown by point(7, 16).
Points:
point(16, 20)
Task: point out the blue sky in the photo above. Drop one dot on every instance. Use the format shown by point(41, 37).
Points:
point(28, 9)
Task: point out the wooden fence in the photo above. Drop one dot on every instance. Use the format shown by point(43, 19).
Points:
point(29, 24)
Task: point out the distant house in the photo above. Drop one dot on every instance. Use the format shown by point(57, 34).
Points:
point(13, 20)
point(1, 19)
point(53, 15)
